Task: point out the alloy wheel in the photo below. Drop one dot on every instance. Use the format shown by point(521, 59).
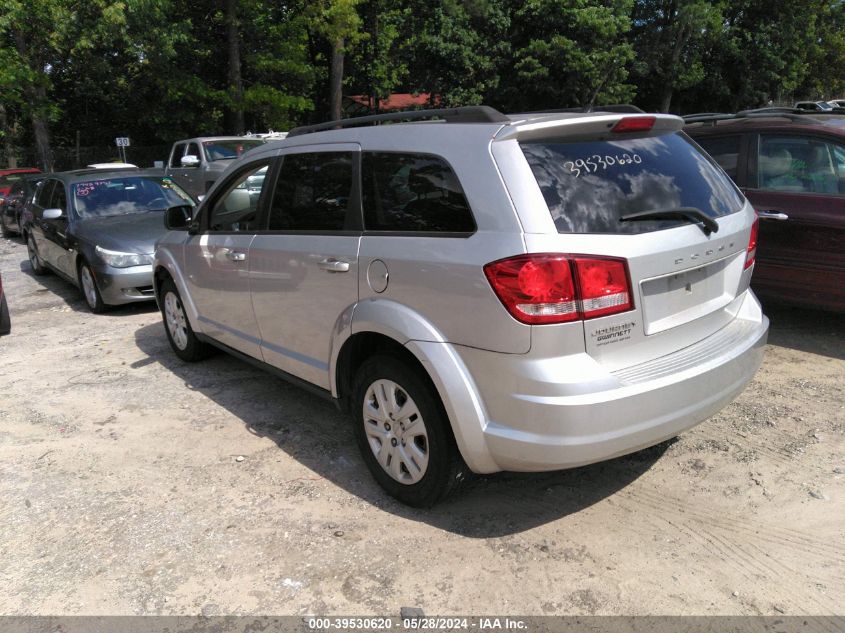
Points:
point(88, 287)
point(33, 255)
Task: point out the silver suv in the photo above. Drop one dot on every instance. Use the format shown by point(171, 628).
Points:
point(485, 292)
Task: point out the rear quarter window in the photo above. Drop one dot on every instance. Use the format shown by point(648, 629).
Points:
point(413, 193)
point(588, 186)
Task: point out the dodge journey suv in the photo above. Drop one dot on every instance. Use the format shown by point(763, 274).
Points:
point(481, 291)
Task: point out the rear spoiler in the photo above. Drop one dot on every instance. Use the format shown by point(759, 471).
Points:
point(573, 127)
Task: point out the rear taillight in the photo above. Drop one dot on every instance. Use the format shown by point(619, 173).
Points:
point(634, 124)
point(546, 288)
point(603, 285)
point(751, 252)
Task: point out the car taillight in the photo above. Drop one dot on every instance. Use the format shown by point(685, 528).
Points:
point(545, 288)
point(604, 286)
point(751, 252)
point(634, 124)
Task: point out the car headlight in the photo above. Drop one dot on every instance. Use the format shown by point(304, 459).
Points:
point(117, 259)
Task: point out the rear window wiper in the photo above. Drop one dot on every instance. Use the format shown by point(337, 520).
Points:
point(707, 224)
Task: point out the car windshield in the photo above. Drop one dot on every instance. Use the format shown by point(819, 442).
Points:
point(825, 106)
point(227, 150)
point(126, 196)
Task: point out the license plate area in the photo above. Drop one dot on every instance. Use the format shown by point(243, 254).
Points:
point(672, 300)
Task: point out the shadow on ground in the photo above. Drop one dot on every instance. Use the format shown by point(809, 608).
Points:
point(315, 433)
point(813, 331)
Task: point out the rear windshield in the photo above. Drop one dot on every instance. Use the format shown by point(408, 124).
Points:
point(589, 185)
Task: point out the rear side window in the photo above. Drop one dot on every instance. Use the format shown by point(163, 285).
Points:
point(313, 192)
point(588, 186)
point(724, 150)
point(800, 164)
point(412, 193)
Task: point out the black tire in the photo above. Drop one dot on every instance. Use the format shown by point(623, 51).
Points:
point(35, 262)
point(445, 468)
point(184, 342)
point(89, 289)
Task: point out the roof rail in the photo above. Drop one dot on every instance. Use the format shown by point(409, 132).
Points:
point(775, 110)
point(622, 108)
point(466, 114)
point(759, 113)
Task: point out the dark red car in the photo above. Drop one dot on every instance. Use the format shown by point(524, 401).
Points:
point(9, 176)
point(792, 169)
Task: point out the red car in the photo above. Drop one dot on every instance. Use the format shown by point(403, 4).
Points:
point(9, 176)
point(792, 169)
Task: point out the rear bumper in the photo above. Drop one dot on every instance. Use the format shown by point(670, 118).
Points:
point(125, 285)
point(533, 428)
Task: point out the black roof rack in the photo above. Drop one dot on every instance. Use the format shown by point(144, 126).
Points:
point(622, 108)
point(466, 114)
point(796, 116)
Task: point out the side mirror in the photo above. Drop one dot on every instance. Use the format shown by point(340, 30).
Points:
point(190, 161)
point(178, 218)
point(52, 214)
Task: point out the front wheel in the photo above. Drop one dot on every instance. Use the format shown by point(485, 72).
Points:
point(90, 292)
point(182, 339)
point(403, 432)
point(35, 262)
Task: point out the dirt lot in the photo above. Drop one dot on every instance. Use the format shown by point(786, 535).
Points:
point(133, 483)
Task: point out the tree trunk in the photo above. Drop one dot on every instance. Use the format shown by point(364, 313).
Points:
point(40, 129)
point(684, 32)
point(336, 79)
point(236, 89)
point(7, 130)
point(36, 97)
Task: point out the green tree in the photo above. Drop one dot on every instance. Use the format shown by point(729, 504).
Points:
point(670, 37)
point(453, 49)
point(568, 53)
point(340, 25)
point(379, 65)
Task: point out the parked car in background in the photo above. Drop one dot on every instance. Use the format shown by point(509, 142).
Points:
point(837, 103)
point(10, 176)
point(13, 205)
point(814, 106)
point(792, 169)
point(98, 228)
point(527, 292)
point(196, 163)
point(5, 321)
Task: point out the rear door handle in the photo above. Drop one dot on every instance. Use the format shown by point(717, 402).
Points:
point(334, 265)
point(772, 215)
point(235, 256)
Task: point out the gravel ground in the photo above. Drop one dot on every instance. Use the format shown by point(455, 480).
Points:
point(133, 483)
